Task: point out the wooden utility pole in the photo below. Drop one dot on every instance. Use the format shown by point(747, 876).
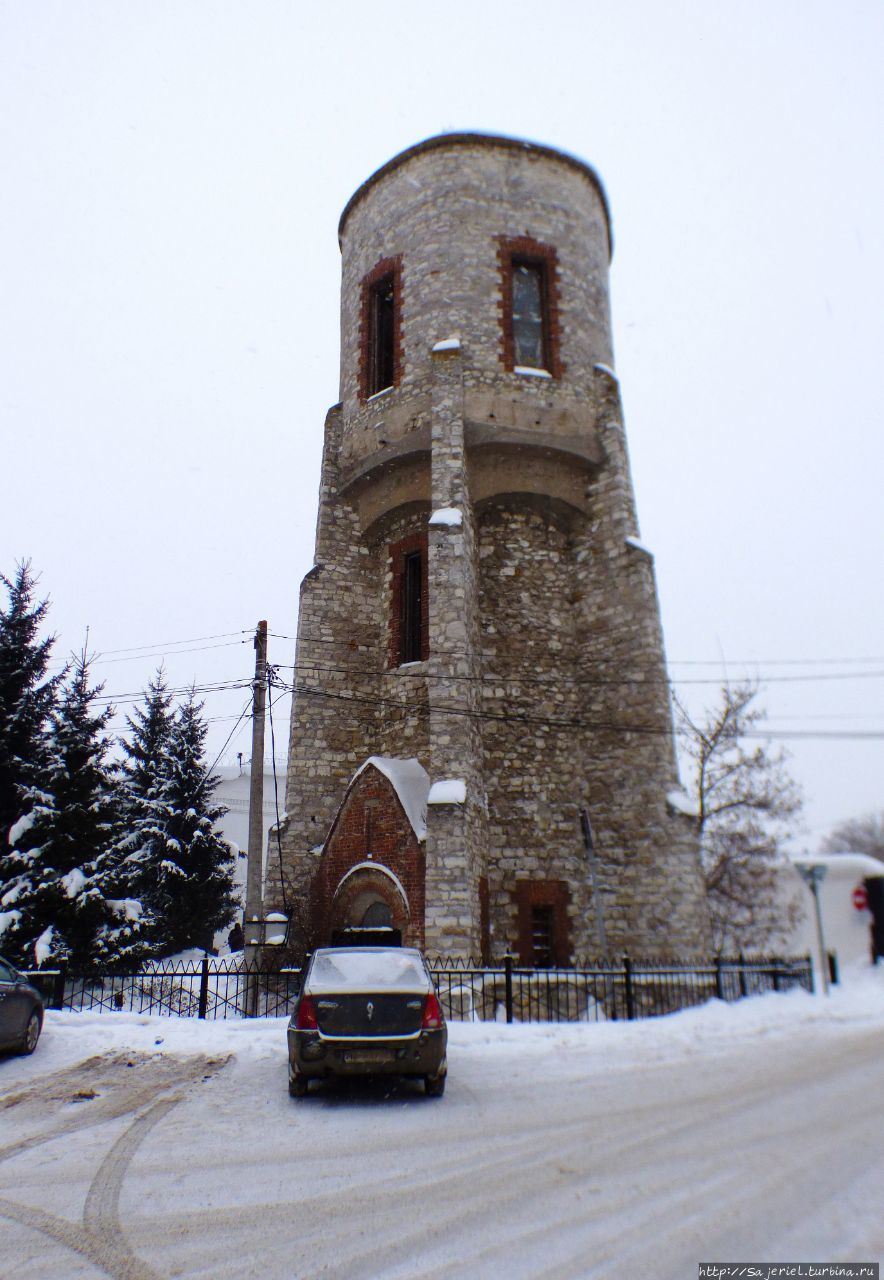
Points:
point(252, 926)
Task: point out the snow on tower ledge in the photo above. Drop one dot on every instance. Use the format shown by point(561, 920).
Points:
point(450, 517)
point(448, 791)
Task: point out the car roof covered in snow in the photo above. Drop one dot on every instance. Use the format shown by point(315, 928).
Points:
point(356, 970)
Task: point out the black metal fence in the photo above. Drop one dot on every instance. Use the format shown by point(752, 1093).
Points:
point(601, 991)
point(468, 991)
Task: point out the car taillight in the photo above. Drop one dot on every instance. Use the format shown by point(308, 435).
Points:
point(432, 1014)
point(306, 1015)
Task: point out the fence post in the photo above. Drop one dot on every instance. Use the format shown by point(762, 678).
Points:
point(719, 978)
point(775, 971)
point(630, 999)
point(204, 986)
point(508, 981)
point(833, 967)
point(743, 989)
point(58, 985)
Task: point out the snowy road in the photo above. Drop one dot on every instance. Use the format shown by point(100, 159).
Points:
point(724, 1134)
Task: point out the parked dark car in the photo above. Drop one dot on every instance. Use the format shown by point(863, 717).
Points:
point(367, 1011)
point(21, 1011)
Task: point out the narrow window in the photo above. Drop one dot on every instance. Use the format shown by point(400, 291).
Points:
point(529, 305)
point(409, 615)
point(382, 334)
point(412, 606)
point(529, 337)
point(543, 936)
point(380, 328)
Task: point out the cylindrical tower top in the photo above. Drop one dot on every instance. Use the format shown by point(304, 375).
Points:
point(496, 246)
point(472, 140)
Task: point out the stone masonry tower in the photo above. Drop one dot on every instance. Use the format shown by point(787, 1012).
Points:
point(479, 647)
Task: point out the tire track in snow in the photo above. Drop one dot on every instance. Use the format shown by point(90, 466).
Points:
point(101, 1238)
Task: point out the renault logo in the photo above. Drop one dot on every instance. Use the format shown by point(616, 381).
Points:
point(369, 1011)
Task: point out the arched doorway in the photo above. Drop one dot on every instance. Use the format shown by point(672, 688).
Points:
point(370, 896)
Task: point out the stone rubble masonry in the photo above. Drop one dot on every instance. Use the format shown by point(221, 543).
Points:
point(545, 685)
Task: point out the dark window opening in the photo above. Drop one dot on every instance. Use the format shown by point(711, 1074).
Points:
point(377, 916)
point(412, 606)
point(382, 334)
point(528, 313)
point(543, 936)
point(543, 939)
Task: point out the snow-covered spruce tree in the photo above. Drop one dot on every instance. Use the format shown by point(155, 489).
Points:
point(144, 775)
point(190, 864)
point(745, 805)
point(26, 696)
point(53, 899)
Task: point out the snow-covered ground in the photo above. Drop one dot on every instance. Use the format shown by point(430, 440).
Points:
point(139, 1148)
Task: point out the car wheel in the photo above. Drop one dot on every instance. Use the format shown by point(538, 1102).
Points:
point(298, 1084)
point(435, 1085)
point(31, 1035)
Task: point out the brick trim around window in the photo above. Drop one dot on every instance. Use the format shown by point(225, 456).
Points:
point(543, 893)
point(527, 249)
point(414, 542)
point(382, 269)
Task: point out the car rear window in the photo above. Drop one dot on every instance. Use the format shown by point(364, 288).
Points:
point(367, 969)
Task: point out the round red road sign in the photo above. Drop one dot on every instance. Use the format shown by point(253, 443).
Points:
point(860, 897)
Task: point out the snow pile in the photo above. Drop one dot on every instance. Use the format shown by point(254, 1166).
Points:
point(448, 791)
point(8, 918)
point(450, 517)
point(128, 908)
point(73, 882)
point(43, 946)
point(18, 829)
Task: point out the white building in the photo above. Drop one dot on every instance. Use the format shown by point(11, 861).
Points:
point(233, 792)
point(844, 907)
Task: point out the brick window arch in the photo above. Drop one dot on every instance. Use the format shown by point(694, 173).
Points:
point(529, 305)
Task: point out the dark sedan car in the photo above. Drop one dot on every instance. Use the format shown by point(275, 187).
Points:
point(21, 1011)
point(367, 1011)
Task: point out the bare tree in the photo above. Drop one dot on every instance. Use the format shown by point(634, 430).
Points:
point(745, 805)
point(857, 835)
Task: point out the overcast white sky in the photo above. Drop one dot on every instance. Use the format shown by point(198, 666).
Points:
point(173, 173)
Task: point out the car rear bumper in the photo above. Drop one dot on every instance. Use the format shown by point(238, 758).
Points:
point(314, 1056)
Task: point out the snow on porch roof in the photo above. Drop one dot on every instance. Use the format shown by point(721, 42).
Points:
point(411, 782)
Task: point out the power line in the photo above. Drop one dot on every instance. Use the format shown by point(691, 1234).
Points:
point(601, 726)
point(589, 680)
point(557, 681)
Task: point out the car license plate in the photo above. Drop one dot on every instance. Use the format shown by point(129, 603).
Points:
point(369, 1057)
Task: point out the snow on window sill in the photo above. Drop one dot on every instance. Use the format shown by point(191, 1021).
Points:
point(526, 371)
point(384, 391)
